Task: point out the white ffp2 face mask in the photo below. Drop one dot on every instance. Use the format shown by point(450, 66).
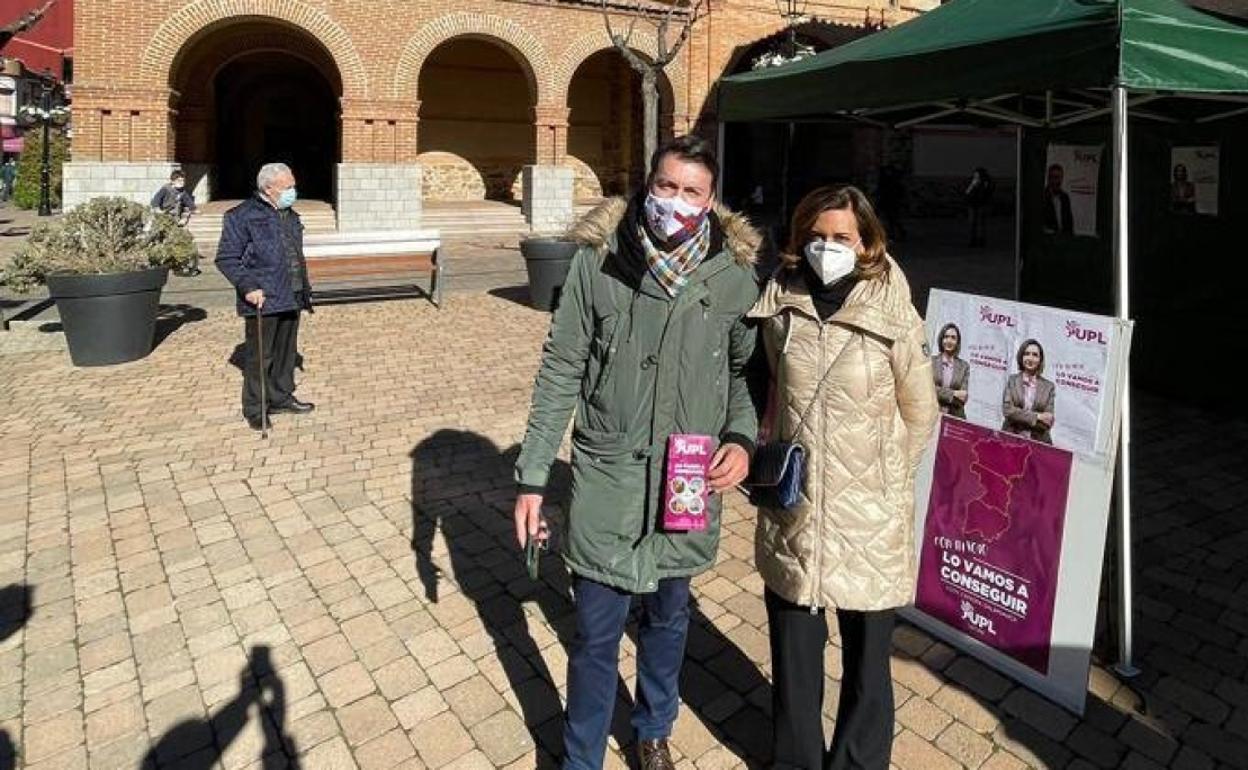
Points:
point(832, 261)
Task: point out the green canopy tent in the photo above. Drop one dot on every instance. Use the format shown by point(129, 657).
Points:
point(1035, 64)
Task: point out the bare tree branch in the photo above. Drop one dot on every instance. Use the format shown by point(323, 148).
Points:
point(24, 22)
point(685, 30)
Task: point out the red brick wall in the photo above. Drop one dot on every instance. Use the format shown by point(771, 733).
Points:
point(132, 57)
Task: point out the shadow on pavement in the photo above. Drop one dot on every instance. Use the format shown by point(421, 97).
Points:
point(170, 318)
point(15, 610)
point(199, 744)
point(462, 498)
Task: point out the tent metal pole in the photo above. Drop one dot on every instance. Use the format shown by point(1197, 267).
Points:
point(1018, 213)
point(1222, 115)
point(1122, 305)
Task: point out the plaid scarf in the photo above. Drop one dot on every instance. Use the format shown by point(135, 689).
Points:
point(672, 269)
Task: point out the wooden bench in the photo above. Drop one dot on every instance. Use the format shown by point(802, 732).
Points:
point(375, 265)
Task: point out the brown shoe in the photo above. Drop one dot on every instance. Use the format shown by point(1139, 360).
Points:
point(655, 755)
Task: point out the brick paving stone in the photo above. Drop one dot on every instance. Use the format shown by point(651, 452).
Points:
point(910, 752)
point(329, 653)
point(346, 684)
point(331, 755)
point(965, 745)
point(978, 678)
point(58, 734)
point(915, 676)
point(473, 700)
point(441, 739)
point(386, 751)
point(365, 719)
point(451, 671)
point(1100, 749)
point(1040, 713)
point(503, 737)
point(923, 718)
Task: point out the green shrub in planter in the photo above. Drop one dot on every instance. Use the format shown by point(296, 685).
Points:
point(104, 264)
point(104, 235)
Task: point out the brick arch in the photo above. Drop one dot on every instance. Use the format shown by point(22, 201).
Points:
point(196, 72)
point(159, 57)
point(586, 46)
point(528, 50)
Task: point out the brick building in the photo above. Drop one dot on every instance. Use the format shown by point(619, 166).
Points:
point(379, 105)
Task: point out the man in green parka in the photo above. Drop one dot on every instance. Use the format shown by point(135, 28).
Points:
point(649, 340)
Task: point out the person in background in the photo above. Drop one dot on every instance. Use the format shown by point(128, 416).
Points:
point(8, 175)
point(173, 199)
point(851, 383)
point(261, 254)
point(1057, 214)
point(978, 204)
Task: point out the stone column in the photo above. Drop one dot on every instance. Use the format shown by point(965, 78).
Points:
point(379, 196)
point(122, 145)
point(547, 202)
point(379, 183)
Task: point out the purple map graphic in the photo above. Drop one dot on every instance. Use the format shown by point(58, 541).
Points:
point(992, 539)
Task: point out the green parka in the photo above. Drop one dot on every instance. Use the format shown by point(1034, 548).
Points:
point(638, 366)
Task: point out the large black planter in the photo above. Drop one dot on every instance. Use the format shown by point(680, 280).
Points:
point(111, 318)
point(547, 260)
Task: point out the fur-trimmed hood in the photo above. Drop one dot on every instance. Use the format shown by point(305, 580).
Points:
point(597, 230)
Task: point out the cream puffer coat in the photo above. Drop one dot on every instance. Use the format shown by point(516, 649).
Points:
point(849, 543)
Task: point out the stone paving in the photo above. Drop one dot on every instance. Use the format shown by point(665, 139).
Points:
point(176, 592)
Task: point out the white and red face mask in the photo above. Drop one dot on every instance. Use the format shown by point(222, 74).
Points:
point(673, 218)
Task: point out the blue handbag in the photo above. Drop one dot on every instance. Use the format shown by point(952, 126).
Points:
point(778, 468)
point(776, 475)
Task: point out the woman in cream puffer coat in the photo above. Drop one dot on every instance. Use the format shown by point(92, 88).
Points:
point(852, 384)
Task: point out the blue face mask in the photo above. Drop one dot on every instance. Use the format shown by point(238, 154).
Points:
point(287, 198)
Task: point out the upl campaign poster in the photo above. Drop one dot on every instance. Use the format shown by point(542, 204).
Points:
point(992, 541)
point(1012, 497)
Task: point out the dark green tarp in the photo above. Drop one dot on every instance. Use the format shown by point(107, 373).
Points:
point(974, 49)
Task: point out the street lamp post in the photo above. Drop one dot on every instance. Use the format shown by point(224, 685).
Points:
point(793, 12)
point(45, 168)
point(45, 116)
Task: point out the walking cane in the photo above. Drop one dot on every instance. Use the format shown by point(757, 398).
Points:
point(264, 386)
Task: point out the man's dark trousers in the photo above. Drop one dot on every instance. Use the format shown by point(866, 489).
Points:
point(281, 342)
point(593, 666)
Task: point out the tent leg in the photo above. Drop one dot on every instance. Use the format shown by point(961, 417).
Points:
point(1122, 285)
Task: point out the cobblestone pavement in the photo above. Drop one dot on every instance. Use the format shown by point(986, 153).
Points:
point(177, 591)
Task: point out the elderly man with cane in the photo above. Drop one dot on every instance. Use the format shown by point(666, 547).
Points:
point(261, 254)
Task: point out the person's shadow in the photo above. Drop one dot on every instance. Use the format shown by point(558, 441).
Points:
point(15, 609)
point(462, 489)
point(198, 744)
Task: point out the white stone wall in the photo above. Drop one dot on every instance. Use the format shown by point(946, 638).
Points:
point(379, 196)
point(547, 202)
point(135, 181)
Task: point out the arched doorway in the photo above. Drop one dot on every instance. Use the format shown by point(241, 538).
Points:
point(605, 125)
point(251, 92)
point(476, 120)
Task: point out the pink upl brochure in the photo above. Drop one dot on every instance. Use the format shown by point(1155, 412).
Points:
point(685, 490)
